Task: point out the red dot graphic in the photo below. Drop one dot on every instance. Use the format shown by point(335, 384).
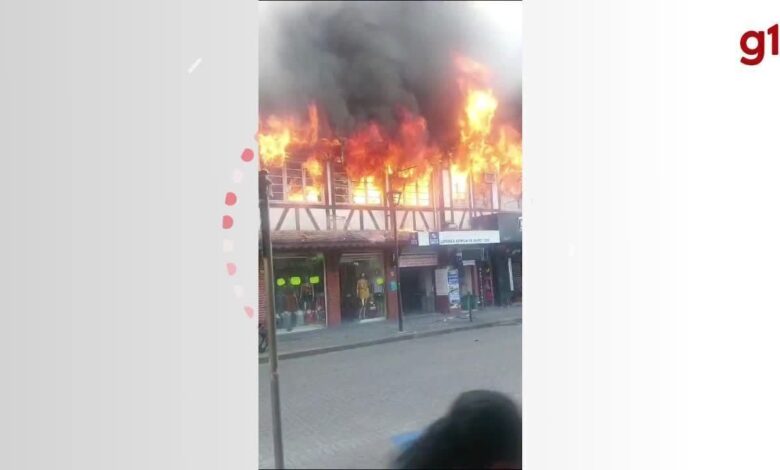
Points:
point(231, 269)
point(230, 198)
point(227, 221)
point(247, 155)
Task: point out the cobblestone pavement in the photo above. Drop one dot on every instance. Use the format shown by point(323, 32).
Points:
point(341, 409)
point(351, 333)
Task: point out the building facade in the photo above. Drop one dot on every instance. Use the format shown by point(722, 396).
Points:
point(334, 247)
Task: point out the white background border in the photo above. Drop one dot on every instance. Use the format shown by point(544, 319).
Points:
point(651, 237)
point(651, 313)
point(123, 343)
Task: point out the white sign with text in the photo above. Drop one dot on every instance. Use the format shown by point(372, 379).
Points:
point(458, 237)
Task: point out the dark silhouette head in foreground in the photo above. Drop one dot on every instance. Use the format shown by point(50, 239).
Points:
point(483, 429)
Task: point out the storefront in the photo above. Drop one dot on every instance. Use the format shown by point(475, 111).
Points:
point(339, 277)
point(362, 279)
point(506, 264)
point(464, 270)
point(300, 292)
point(417, 275)
point(504, 274)
point(350, 276)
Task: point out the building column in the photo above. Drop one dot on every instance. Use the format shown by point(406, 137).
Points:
point(442, 298)
point(392, 297)
point(261, 296)
point(333, 285)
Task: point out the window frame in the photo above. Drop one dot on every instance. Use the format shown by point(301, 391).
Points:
point(283, 174)
point(339, 172)
point(417, 192)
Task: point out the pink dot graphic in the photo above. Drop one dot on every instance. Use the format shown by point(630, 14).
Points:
point(231, 199)
point(250, 312)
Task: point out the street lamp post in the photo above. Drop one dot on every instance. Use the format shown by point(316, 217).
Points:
point(266, 257)
point(395, 199)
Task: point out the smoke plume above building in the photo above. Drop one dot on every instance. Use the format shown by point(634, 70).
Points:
point(361, 62)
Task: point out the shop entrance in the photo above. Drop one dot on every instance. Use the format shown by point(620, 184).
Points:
point(362, 287)
point(516, 266)
point(417, 290)
point(468, 279)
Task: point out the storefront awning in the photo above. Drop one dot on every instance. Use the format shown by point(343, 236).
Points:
point(419, 260)
point(306, 239)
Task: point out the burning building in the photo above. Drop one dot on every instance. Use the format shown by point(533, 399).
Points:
point(359, 132)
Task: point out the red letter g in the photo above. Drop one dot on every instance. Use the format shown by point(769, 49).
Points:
point(756, 52)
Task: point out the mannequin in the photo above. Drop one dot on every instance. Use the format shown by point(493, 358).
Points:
point(363, 294)
point(290, 307)
point(307, 295)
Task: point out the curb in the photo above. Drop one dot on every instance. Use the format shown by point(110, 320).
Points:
point(388, 339)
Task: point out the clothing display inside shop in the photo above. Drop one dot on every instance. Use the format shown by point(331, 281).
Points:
point(299, 292)
point(363, 294)
point(362, 287)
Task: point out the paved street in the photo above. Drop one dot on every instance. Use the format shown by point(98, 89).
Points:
point(341, 409)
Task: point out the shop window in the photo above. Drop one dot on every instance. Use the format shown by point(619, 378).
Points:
point(362, 287)
point(299, 292)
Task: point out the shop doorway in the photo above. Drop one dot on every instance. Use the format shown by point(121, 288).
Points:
point(468, 280)
point(516, 266)
point(417, 294)
point(362, 287)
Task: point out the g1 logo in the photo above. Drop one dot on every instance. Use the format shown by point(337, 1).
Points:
point(754, 47)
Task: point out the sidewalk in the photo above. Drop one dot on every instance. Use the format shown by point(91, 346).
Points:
point(355, 335)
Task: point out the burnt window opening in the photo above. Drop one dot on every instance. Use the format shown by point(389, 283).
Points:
point(459, 189)
point(477, 189)
point(293, 182)
point(363, 191)
point(416, 193)
point(483, 191)
point(510, 189)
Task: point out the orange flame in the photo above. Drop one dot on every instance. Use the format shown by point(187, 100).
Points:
point(281, 138)
point(274, 141)
point(366, 191)
point(377, 159)
point(484, 147)
point(407, 158)
point(306, 193)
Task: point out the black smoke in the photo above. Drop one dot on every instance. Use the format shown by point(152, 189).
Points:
point(360, 61)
